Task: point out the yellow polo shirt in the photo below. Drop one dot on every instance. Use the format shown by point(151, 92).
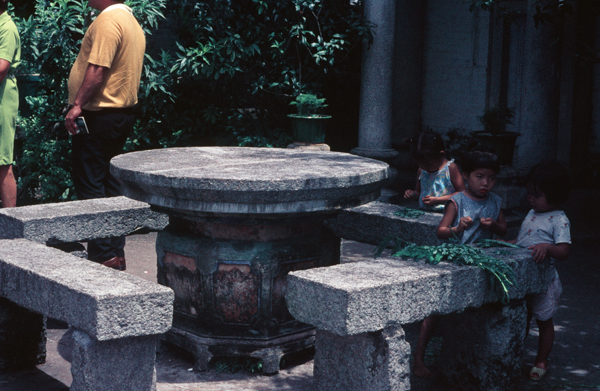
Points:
point(114, 40)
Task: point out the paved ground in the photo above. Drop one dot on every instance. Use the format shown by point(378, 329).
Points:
point(575, 361)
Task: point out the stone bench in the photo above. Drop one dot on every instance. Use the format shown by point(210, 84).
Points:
point(117, 318)
point(373, 222)
point(359, 308)
point(78, 221)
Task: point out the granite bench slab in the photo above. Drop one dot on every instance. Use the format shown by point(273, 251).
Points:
point(366, 296)
point(100, 301)
point(77, 221)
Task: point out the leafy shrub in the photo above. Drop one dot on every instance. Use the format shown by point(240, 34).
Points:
point(308, 104)
point(228, 79)
point(239, 63)
point(50, 41)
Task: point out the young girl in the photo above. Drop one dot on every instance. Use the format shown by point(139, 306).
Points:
point(438, 178)
point(470, 215)
point(545, 231)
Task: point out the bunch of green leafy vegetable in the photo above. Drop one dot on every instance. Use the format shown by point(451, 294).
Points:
point(410, 213)
point(502, 276)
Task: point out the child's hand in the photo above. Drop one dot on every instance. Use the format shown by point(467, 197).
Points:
point(410, 194)
point(539, 252)
point(430, 200)
point(486, 222)
point(463, 224)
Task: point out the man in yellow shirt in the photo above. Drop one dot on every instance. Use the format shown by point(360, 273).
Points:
point(103, 86)
point(10, 54)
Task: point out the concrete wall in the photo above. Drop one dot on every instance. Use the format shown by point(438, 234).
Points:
point(408, 69)
point(454, 65)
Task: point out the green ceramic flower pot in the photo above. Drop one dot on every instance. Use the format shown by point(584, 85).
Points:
point(309, 129)
point(503, 144)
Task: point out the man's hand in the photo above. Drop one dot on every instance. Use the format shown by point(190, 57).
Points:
point(70, 120)
point(94, 76)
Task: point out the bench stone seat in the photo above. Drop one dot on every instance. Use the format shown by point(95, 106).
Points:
point(98, 300)
point(373, 222)
point(117, 318)
point(359, 308)
point(78, 221)
point(366, 296)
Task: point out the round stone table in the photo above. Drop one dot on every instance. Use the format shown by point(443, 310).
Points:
point(240, 219)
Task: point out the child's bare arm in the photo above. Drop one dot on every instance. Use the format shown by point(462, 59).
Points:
point(414, 193)
point(456, 178)
point(497, 227)
point(541, 251)
point(445, 229)
point(457, 182)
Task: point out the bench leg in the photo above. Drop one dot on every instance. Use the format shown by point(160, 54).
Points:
point(376, 361)
point(483, 347)
point(120, 364)
point(22, 337)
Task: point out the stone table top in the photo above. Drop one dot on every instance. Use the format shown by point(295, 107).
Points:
point(242, 180)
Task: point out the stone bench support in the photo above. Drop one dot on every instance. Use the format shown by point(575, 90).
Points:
point(358, 309)
point(79, 221)
point(117, 317)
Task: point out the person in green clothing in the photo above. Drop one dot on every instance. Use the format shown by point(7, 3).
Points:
point(10, 55)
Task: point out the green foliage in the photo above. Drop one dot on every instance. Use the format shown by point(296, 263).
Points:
point(495, 119)
point(487, 243)
point(502, 276)
point(50, 41)
point(235, 67)
point(49, 44)
point(308, 104)
point(409, 213)
point(237, 364)
point(227, 80)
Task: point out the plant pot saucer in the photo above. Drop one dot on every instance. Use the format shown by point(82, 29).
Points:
point(309, 146)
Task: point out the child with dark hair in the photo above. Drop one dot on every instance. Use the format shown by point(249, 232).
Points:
point(475, 214)
point(471, 215)
point(438, 178)
point(546, 232)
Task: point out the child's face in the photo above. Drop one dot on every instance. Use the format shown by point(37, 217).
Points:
point(480, 182)
point(537, 200)
point(431, 164)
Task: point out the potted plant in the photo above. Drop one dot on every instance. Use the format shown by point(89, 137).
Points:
point(494, 134)
point(307, 125)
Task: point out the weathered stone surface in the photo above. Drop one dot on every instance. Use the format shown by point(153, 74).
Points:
point(483, 347)
point(79, 220)
point(377, 361)
point(373, 222)
point(122, 364)
point(237, 180)
point(362, 297)
point(22, 337)
point(102, 302)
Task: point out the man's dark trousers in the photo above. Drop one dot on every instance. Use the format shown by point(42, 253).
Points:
point(108, 131)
